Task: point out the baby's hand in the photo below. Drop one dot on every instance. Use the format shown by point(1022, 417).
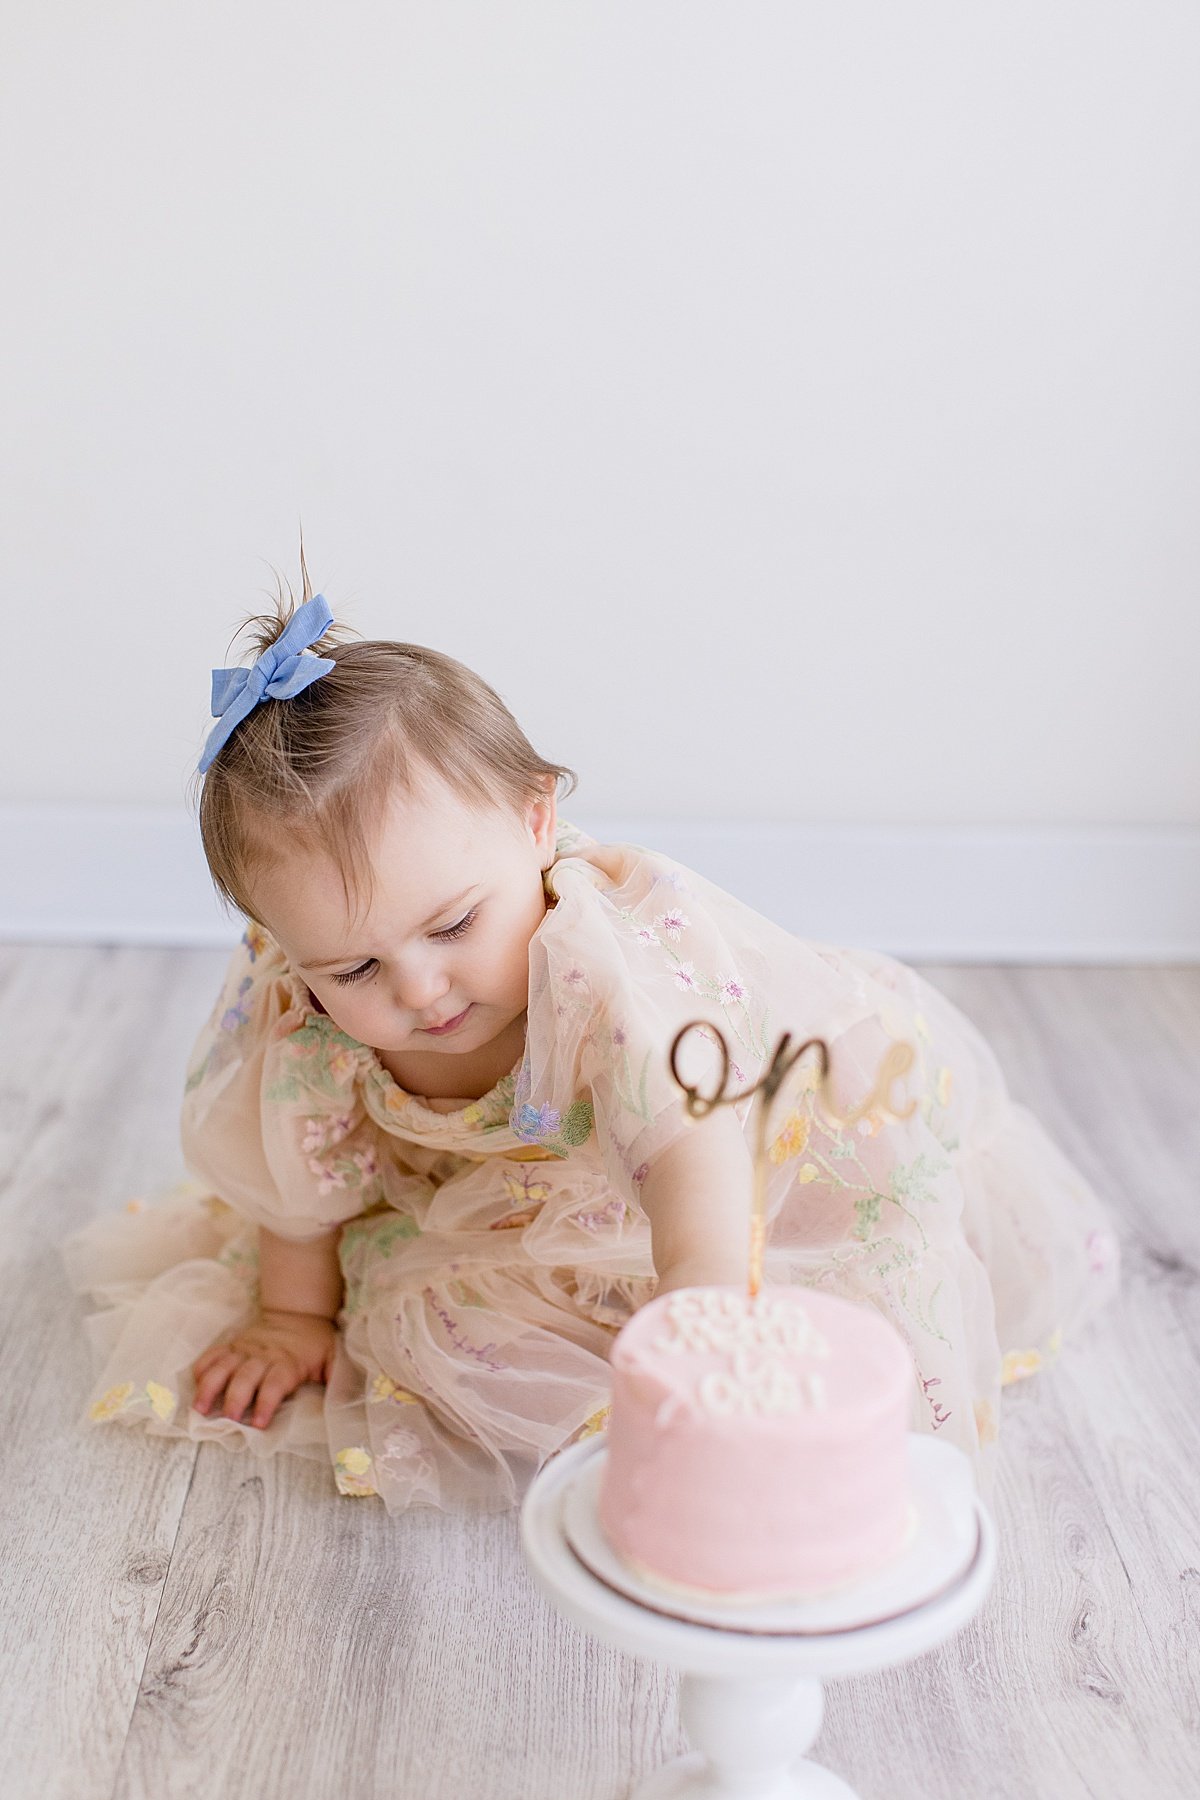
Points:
point(270, 1359)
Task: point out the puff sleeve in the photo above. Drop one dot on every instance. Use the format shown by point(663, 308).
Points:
point(273, 1117)
point(632, 952)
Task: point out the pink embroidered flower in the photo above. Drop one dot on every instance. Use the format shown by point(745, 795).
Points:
point(314, 1136)
point(620, 1037)
point(645, 937)
point(366, 1162)
point(596, 1221)
point(575, 978)
point(327, 1179)
point(685, 976)
point(732, 990)
point(672, 923)
point(640, 1173)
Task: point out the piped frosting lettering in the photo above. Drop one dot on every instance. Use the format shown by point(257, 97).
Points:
point(756, 1335)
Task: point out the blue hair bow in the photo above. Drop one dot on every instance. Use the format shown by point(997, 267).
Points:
point(281, 672)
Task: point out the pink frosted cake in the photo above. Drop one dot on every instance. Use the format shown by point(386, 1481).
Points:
point(757, 1449)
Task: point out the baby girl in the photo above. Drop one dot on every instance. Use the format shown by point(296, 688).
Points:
point(439, 1154)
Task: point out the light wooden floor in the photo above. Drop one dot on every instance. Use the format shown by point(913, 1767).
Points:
point(183, 1624)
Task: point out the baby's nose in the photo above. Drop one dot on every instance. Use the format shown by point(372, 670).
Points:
point(420, 990)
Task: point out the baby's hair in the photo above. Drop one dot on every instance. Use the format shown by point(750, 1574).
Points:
point(321, 766)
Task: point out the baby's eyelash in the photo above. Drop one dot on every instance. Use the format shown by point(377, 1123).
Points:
point(454, 931)
point(451, 931)
point(355, 974)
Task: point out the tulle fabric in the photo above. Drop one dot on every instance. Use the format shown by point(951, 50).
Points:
point(491, 1253)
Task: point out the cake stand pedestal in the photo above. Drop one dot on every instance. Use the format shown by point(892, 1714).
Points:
point(751, 1700)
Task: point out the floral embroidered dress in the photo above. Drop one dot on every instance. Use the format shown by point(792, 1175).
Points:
point(491, 1253)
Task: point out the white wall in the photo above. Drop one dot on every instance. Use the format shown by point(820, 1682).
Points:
point(790, 408)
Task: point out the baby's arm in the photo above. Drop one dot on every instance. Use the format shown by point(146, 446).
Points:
point(292, 1342)
point(696, 1195)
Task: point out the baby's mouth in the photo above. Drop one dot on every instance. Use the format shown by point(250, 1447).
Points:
point(447, 1025)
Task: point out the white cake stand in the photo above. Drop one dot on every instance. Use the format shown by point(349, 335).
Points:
point(751, 1699)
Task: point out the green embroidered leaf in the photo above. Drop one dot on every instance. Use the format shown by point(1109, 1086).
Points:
point(577, 1122)
point(284, 1090)
point(867, 1212)
point(396, 1230)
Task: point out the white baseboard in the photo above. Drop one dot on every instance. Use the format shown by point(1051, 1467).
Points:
point(1096, 894)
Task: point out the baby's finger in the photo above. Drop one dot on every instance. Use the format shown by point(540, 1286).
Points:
point(241, 1388)
point(275, 1387)
point(214, 1379)
point(207, 1358)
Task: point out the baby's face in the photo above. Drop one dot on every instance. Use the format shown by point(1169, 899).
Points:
point(457, 897)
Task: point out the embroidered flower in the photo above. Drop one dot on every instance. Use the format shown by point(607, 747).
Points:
point(533, 1123)
point(314, 1136)
point(673, 923)
point(640, 1173)
point(342, 1064)
point(384, 1388)
point(161, 1399)
point(731, 991)
point(807, 1172)
point(620, 1037)
point(236, 1015)
point(366, 1162)
point(1018, 1365)
point(352, 1472)
point(645, 937)
point(597, 1422)
point(792, 1140)
point(255, 940)
point(613, 1213)
point(404, 1454)
point(110, 1403)
point(685, 976)
point(575, 978)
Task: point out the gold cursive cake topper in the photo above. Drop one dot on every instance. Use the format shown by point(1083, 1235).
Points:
point(896, 1062)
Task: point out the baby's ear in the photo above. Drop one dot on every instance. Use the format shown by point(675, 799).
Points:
point(542, 820)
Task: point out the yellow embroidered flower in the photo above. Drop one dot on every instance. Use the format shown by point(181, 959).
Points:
point(352, 1470)
point(792, 1140)
point(985, 1422)
point(111, 1403)
point(384, 1388)
point(808, 1172)
point(342, 1065)
point(161, 1399)
point(255, 940)
point(472, 1114)
point(945, 1086)
point(1018, 1365)
point(598, 1422)
point(1054, 1342)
